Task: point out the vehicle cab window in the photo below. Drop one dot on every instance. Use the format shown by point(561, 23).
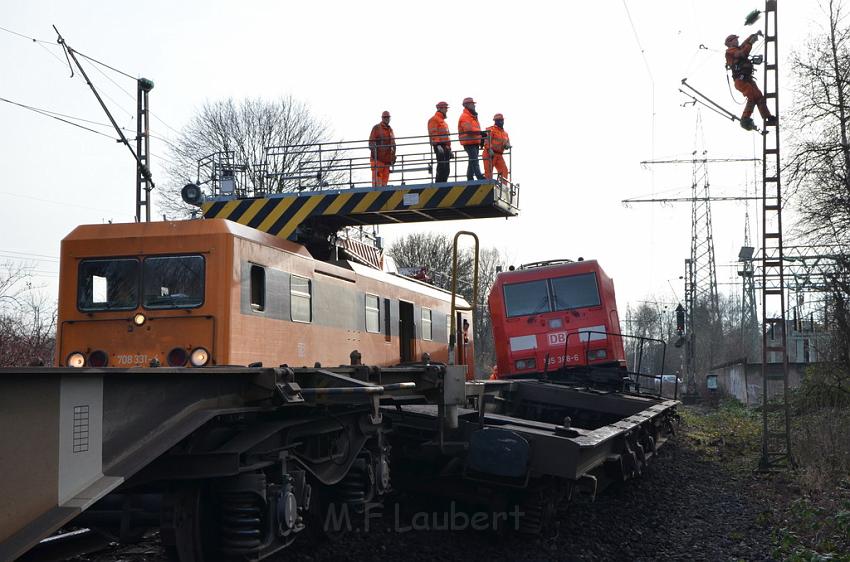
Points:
point(173, 282)
point(108, 284)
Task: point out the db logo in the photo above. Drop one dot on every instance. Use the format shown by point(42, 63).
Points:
point(558, 338)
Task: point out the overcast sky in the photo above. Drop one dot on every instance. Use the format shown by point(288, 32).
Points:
point(588, 90)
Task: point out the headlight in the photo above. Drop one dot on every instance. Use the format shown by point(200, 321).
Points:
point(199, 357)
point(597, 354)
point(139, 319)
point(76, 360)
point(523, 364)
point(98, 358)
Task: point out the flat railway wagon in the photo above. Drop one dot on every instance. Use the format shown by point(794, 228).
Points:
point(205, 385)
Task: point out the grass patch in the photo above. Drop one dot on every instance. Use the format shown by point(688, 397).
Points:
point(809, 509)
point(731, 433)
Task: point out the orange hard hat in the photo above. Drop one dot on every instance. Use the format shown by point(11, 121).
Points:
point(385, 114)
point(498, 116)
point(730, 39)
point(468, 100)
point(442, 104)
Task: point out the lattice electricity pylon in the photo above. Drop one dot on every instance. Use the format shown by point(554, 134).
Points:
point(702, 237)
point(691, 334)
point(776, 417)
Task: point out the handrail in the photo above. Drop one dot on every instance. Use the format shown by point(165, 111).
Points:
point(659, 379)
point(333, 165)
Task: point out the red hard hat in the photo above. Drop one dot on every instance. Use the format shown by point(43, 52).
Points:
point(385, 114)
point(468, 100)
point(730, 39)
point(498, 116)
point(442, 104)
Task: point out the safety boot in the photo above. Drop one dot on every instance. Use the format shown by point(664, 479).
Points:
point(747, 123)
point(771, 121)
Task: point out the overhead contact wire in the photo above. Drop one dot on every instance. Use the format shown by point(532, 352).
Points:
point(48, 114)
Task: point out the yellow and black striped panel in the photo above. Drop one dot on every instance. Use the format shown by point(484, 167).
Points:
point(280, 216)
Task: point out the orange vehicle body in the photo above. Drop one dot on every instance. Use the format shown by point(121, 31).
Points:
point(560, 315)
point(241, 295)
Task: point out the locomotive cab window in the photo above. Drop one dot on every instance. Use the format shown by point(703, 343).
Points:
point(426, 323)
point(173, 282)
point(108, 285)
point(531, 297)
point(258, 288)
point(300, 291)
point(373, 314)
point(575, 291)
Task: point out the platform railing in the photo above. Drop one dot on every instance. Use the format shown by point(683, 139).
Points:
point(640, 382)
point(335, 166)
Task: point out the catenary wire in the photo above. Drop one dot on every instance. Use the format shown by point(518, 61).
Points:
point(43, 44)
point(46, 114)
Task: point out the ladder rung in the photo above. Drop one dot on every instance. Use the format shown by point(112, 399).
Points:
point(772, 263)
point(771, 151)
point(770, 66)
point(771, 178)
point(773, 291)
point(772, 234)
point(775, 377)
point(776, 348)
point(771, 95)
point(774, 320)
point(772, 207)
point(769, 38)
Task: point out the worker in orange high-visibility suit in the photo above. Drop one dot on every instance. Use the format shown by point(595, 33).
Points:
point(738, 61)
point(438, 132)
point(382, 150)
point(469, 133)
point(495, 144)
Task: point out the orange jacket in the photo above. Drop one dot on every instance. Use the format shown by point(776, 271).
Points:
point(497, 140)
point(737, 59)
point(382, 143)
point(468, 128)
point(438, 129)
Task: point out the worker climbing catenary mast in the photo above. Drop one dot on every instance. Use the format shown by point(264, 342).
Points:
point(739, 62)
point(469, 132)
point(438, 131)
point(495, 144)
point(382, 151)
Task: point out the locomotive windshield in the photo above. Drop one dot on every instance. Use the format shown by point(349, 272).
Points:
point(531, 297)
point(108, 285)
point(547, 295)
point(173, 282)
point(575, 291)
point(167, 282)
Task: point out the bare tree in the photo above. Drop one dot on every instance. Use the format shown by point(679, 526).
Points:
point(27, 321)
point(819, 168)
point(432, 253)
point(247, 128)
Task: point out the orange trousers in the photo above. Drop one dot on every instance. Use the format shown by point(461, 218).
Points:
point(380, 172)
point(498, 161)
point(754, 98)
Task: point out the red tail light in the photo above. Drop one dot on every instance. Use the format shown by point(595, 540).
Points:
point(98, 358)
point(177, 357)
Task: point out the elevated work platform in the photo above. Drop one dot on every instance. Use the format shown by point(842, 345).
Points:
point(309, 191)
point(331, 210)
